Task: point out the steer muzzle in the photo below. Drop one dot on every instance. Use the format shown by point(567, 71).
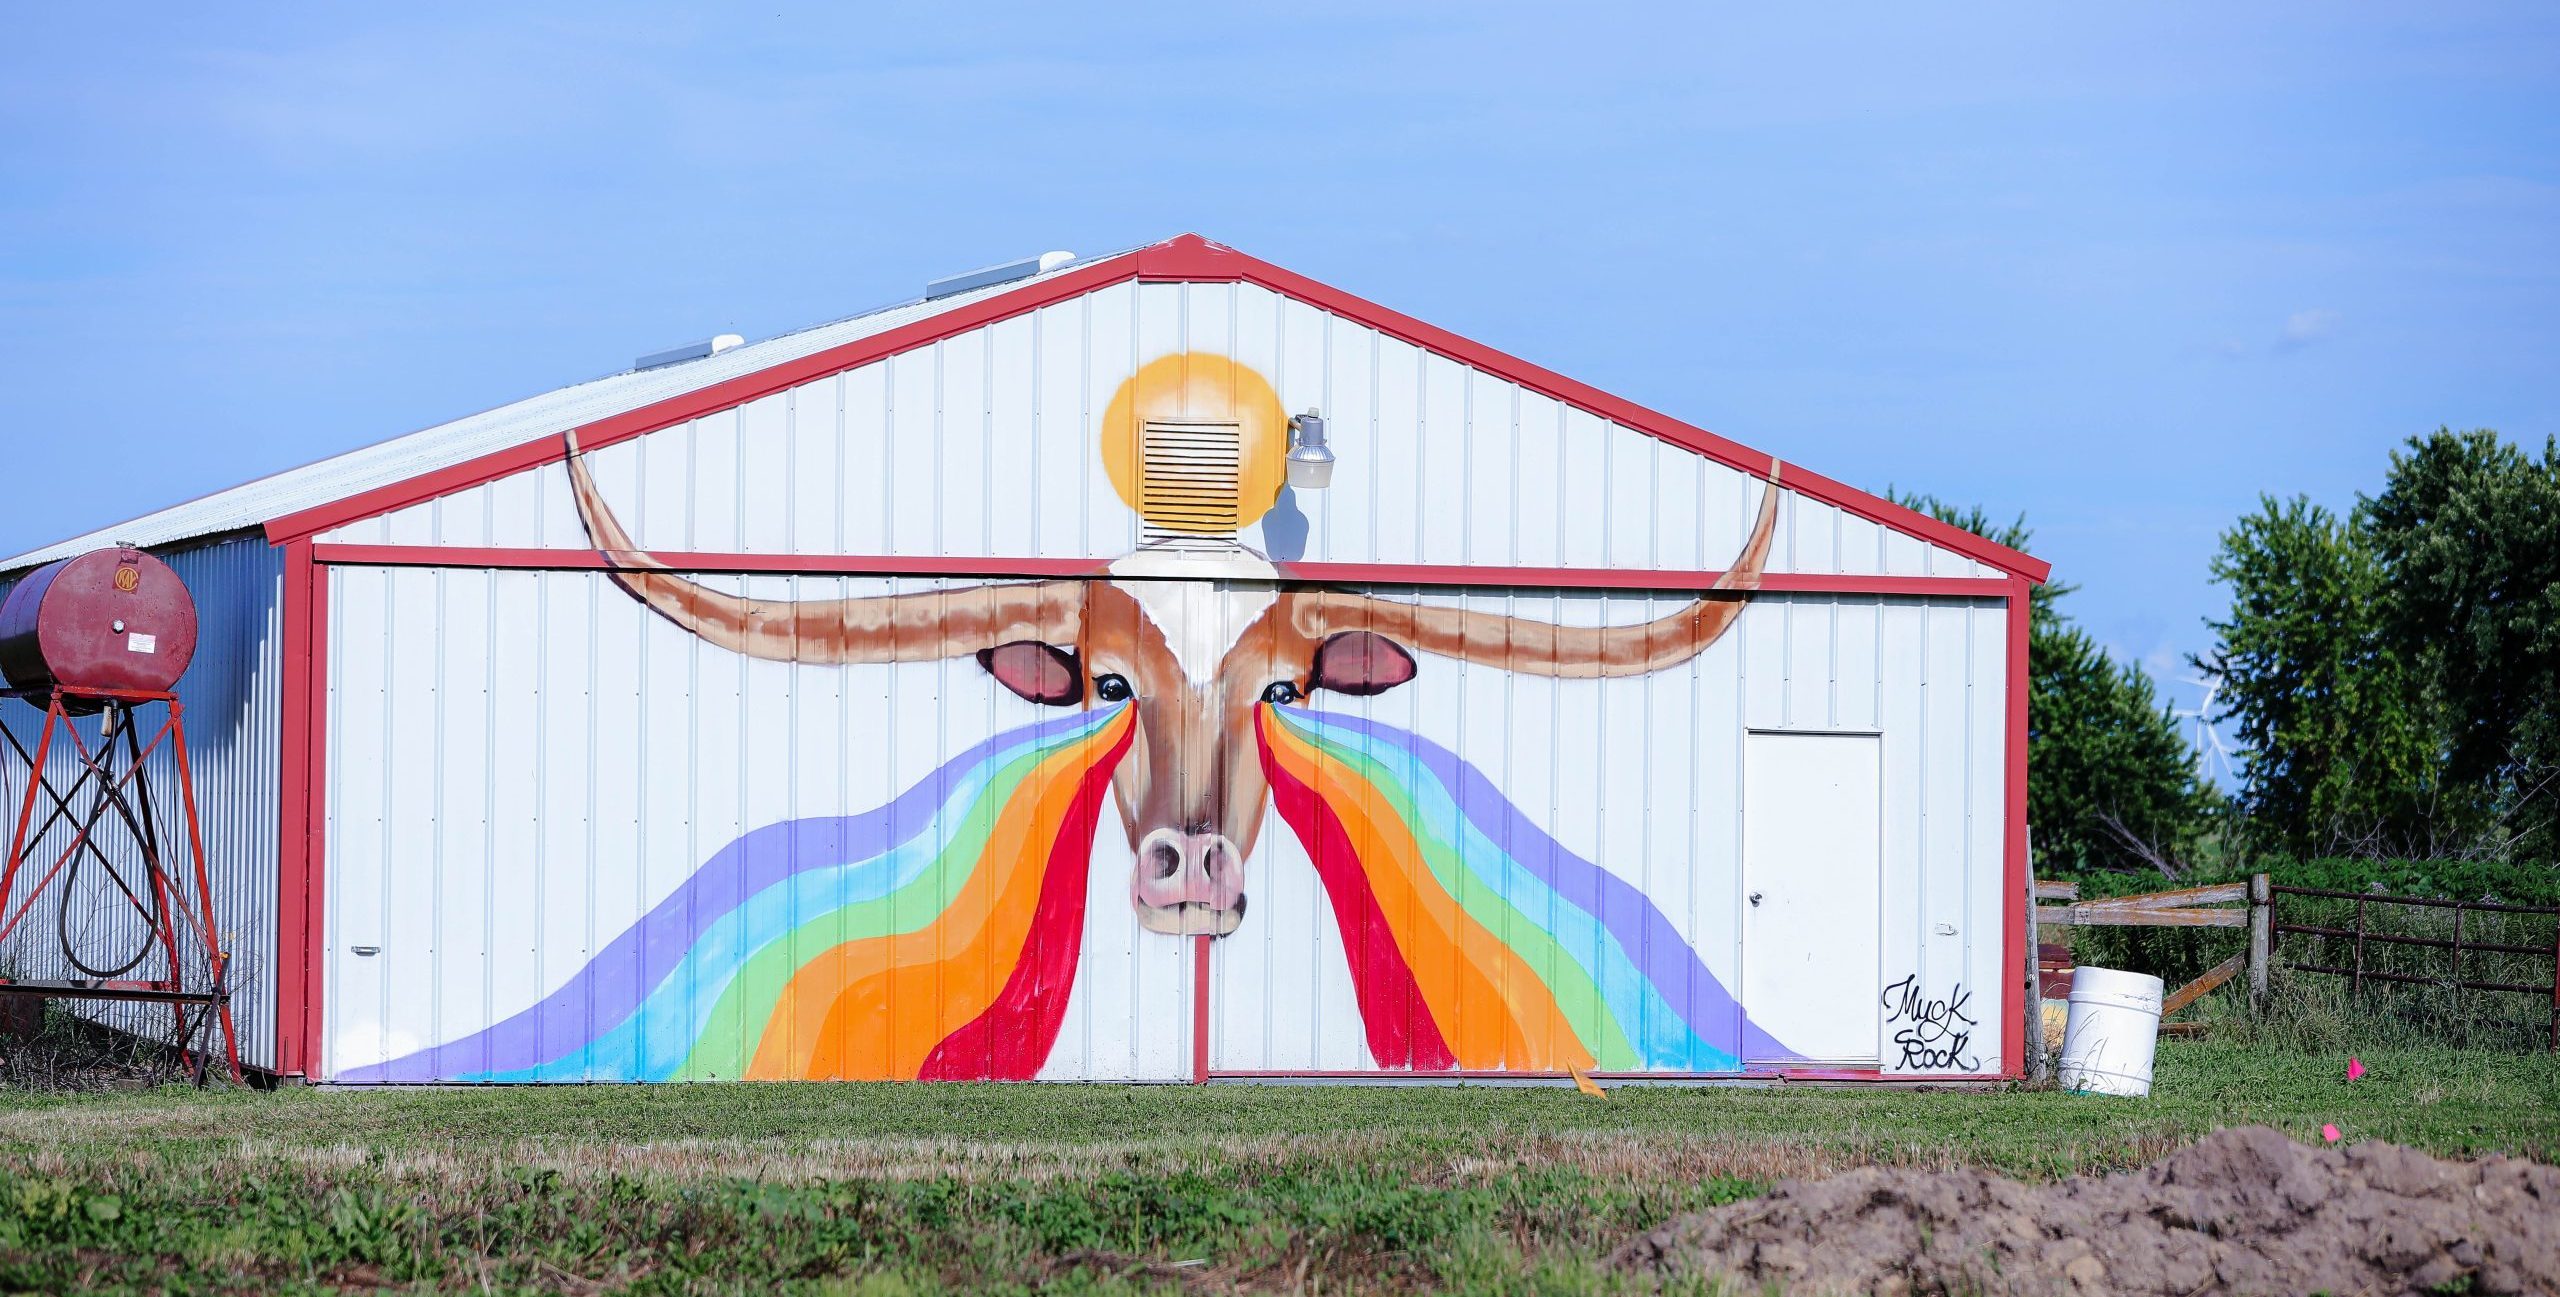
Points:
point(1188, 883)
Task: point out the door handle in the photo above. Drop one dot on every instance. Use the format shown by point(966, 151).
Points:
point(1755, 898)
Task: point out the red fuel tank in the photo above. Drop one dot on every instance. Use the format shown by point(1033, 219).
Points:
point(107, 619)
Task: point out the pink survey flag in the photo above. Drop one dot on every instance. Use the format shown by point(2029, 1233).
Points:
point(2355, 1070)
point(2330, 1133)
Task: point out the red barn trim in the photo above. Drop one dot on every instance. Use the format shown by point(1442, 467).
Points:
point(1186, 259)
point(302, 813)
point(1001, 567)
point(2013, 878)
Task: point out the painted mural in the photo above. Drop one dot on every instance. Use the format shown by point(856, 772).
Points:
point(1476, 941)
point(935, 937)
point(938, 936)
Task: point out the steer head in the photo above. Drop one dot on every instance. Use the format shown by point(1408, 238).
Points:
point(1198, 659)
point(1195, 658)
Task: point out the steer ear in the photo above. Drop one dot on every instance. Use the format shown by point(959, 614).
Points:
point(1043, 673)
point(1360, 663)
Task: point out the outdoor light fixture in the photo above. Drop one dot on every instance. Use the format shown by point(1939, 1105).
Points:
point(1310, 462)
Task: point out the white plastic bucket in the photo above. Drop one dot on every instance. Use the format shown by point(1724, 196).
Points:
point(2113, 1031)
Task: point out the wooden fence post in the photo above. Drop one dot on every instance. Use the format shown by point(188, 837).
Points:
point(2036, 1061)
point(2457, 960)
point(2261, 935)
point(2355, 987)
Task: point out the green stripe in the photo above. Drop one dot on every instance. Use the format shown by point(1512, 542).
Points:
point(1563, 977)
point(738, 1020)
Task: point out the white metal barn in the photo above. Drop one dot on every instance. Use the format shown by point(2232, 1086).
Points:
point(1153, 667)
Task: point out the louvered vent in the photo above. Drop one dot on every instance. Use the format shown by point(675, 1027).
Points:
point(1190, 473)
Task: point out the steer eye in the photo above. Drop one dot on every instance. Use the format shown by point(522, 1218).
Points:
point(1281, 691)
point(1111, 688)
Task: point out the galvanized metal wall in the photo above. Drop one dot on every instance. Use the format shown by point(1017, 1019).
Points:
point(523, 764)
point(231, 694)
point(985, 444)
point(1645, 778)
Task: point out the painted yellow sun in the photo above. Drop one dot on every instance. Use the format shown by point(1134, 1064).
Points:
point(1166, 439)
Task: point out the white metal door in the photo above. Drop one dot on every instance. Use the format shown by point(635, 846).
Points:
point(1812, 880)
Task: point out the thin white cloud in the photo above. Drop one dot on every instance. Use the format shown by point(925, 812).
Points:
point(2302, 328)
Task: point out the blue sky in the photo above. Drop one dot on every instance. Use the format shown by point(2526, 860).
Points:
point(2122, 271)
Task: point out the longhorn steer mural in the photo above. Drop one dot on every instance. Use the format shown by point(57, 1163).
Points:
point(1196, 656)
point(1474, 940)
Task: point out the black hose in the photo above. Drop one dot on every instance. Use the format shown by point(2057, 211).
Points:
point(148, 904)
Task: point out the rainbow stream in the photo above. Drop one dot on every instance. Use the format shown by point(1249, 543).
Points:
point(935, 937)
point(1477, 942)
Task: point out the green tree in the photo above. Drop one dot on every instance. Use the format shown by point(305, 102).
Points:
point(2336, 731)
point(2395, 673)
point(2469, 527)
point(2110, 784)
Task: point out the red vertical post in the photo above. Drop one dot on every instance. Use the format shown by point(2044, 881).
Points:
point(217, 958)
point(1200, 1010)
point(27, 808)
point(168, 904)
point(299, 930)
point(292, 910)
point(162, 893)
point(2014, 813)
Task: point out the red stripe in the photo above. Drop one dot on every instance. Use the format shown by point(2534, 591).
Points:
point(1401, 1031)
point(1013, 1037)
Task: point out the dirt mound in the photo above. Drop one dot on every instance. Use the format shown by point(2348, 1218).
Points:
point(2242, 1211)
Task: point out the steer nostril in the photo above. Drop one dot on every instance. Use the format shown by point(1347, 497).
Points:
point(1166, 859)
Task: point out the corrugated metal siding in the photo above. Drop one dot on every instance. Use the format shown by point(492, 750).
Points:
point(231, 695)
point(984, 445)
point(1644, 777)
point(523, 764)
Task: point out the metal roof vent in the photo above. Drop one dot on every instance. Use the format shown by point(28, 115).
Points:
point(711, 346)
point(1191, 479)
point(1002, 273)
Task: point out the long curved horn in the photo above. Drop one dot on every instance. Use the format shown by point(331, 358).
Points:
point(1544, 648)
point(920, 627)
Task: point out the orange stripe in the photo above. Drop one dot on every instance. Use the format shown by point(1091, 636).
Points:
point(884, 1020)
point(1530, 1031)
point(840, 1003)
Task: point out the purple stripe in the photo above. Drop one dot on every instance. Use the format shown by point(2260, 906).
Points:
point(1642, 930)
point(613, 984)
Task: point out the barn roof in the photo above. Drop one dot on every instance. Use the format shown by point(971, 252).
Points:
point(405, 458)
point(300, 502)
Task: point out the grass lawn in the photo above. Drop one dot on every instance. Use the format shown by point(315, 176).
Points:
point(827, 1188)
